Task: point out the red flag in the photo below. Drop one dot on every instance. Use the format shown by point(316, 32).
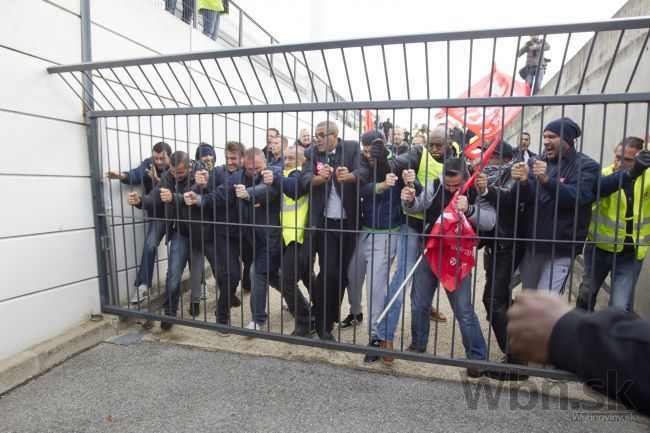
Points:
point(488, 122)
point(450, 248)
point(369, 123)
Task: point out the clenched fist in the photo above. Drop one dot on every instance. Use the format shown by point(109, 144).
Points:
point(481, 183)
point(240, 192)
point(408, 194)
point(409, 177)
point(191, 198)
point(326, 172)
point(201, 178)
point(539, 170)
point(166, 195)
point(133, 198)
point(461, 203)
point(267, 177)
point(520, 172)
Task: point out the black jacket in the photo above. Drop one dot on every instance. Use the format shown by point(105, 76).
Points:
point(518, 154)
point(503, 196)
point(609, 350)
point(138, 176)
point(221, 208)
point(177, 212)
point(259, 212)
point(570, 187)
point(347, 154)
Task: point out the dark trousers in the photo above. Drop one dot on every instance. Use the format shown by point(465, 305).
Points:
point(247, 260)
point(497, 298)
point(334, 253)
point(295, 267)
point(228, 275)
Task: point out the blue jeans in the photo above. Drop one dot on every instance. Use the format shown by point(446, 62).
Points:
point(155, 233)
point(179, 256)
point(598, 264)
point(533, 83)
point(188, 9)
point(211, 23)
point(408, 245)
point(425, 284)
point(260, 286)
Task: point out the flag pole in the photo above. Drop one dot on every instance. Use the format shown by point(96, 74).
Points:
point(400, 289)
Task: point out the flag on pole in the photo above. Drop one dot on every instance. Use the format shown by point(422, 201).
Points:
point(450, 246)
point(487, 122)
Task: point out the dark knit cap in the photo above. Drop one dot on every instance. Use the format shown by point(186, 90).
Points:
point(204, 149)
point(371, 136)
point(565, 128)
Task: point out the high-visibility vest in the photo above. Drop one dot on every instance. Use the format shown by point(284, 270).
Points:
point(293, 216)
point(429, 169)
point(604, 226)
point(213, 5)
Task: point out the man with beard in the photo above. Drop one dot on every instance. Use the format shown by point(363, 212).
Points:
point(554, 187)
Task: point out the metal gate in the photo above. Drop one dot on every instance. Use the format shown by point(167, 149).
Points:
point(238, 94)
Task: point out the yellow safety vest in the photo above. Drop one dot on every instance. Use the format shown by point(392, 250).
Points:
point(213, 5)
point(605, 228)
point(428, 170)
point(293, 216)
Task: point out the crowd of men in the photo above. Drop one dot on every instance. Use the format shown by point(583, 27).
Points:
point(264, 217)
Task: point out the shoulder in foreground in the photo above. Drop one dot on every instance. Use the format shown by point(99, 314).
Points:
point(588, 163)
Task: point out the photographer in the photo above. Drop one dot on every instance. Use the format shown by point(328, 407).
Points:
point(533, 72)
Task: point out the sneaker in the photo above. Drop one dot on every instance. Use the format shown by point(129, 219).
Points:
point(285, 307)
point(437, 316)
point(235, 302)
point(371, 359)
point(205, 293)
point(165, 326)
point(351, 321)
point(254, 326)
point(304, 330)
point(140, 294)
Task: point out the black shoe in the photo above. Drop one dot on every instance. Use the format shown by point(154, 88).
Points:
point(412, 348)
point(166, 326)
point(474, 373)
point(304, 330)
point(236, 302)
point(223, 332)
point(327, 336)
point(371, 359)
point(195, 309)
point(351, 321)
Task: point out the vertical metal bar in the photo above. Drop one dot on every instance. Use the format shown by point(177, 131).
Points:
point(347, 74)
point(225, 80)
point(111, 87)
point(259, 83)
point(406, 74)
point(268, 60)
point(81, 97)
point(365, 69)
point(613, 60)
point(584, 72)
point(124, 87)
point(383, 57)
point(293, 81)
point(189, 101)
point(311, 78)
point(210, 82)
point(240, 33)
point(194, 82)
point(137, 87)
point(426, 69)
point(152, 87)
point(171, 95)
point(250, 100)
point(638, 60)
point(86, 90)
point(329, 78)
point(559, 75)
point(93, 158)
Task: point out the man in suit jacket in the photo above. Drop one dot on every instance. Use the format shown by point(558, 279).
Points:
point(521, 152)
point(332, 173)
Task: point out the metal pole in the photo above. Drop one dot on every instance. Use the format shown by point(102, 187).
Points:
point(240, 37)
point(399, 291)
point(93, 155)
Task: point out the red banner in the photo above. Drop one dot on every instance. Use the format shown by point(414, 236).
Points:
point(450, 248)
point(369, 122)
point(487, 122)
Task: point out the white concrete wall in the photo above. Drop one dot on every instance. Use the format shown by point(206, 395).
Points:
point(47, 248)
point(601, 131)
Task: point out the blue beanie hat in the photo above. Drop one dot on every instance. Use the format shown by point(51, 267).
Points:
point(565, 128)
point(204, 149)
point(371, 136)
